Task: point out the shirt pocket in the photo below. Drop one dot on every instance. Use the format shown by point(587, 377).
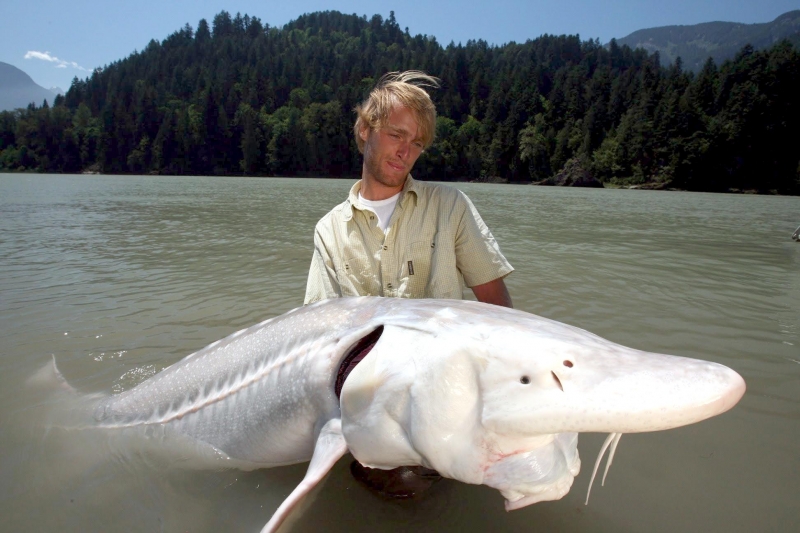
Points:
point(417, 269)
point(357, 278)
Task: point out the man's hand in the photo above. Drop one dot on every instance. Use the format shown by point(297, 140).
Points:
point(494, 292)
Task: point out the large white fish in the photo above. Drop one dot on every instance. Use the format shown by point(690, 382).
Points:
point(482, 394)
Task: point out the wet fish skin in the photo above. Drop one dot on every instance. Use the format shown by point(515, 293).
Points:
point(480, 393)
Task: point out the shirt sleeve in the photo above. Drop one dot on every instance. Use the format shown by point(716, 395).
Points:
point(478, 255)
point(322, 282)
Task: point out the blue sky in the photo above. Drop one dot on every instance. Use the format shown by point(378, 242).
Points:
point(54, 41)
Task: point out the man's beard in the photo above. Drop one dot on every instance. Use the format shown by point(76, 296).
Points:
point(374, 168)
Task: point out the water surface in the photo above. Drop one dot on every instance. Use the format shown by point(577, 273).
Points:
point(118, 277)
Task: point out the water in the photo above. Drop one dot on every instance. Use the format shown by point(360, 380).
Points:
point(118, 277)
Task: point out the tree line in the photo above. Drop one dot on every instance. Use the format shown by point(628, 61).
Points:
point(238, 97)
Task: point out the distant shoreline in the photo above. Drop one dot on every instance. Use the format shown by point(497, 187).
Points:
point(648, 186)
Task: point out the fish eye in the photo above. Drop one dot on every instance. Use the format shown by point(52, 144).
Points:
point(524, 380)
point(568, 363)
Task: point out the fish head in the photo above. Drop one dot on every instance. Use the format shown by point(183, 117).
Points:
point(552, 378)
point(497, 396)
point(543, 382)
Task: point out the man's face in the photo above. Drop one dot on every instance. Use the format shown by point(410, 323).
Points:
point(391, 151)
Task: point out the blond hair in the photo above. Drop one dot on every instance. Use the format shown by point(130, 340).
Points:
point(398, 89)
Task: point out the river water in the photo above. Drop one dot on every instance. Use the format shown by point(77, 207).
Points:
point(118, 277)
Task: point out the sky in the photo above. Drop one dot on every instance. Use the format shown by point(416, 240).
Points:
point(56, 40)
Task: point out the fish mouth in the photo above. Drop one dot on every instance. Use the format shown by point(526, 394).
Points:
point(560, 487)
point(544, 473)
point(554, 492)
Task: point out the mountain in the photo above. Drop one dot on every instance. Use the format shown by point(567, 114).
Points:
point(235, 96)
point(718, 40)
point(17, 89)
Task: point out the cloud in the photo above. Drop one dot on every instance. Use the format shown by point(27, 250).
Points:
point(60, 63)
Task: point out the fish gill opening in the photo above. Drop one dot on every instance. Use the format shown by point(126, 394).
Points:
point(356, 354)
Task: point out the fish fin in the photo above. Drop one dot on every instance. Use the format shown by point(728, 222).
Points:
point(330, 447)
point(50, 377)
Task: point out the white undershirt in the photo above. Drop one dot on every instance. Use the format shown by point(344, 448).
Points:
point(382, 208)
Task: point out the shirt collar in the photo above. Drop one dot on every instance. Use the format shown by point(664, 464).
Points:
point(409, 186)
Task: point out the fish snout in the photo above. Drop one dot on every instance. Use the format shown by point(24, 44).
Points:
point(663, 393)
point(631, 392)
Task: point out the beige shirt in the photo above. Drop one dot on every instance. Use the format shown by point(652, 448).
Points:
point(436, 244)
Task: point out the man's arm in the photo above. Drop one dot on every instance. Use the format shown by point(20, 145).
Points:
point(322, 283)
point(479, 257)
point(494, 292)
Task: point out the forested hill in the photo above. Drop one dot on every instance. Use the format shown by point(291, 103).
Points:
point(721, 41)
point(239, 97)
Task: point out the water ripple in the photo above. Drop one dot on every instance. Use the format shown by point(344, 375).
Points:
point(119, 277)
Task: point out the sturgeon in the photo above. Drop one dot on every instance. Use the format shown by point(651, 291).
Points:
point(480, 393)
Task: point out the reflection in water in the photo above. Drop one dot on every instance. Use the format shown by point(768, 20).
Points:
point(118, 277)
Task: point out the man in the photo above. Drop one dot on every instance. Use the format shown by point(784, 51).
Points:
point(395, 236)
point(398, 237)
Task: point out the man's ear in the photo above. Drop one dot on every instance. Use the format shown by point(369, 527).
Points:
point(364, 133)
